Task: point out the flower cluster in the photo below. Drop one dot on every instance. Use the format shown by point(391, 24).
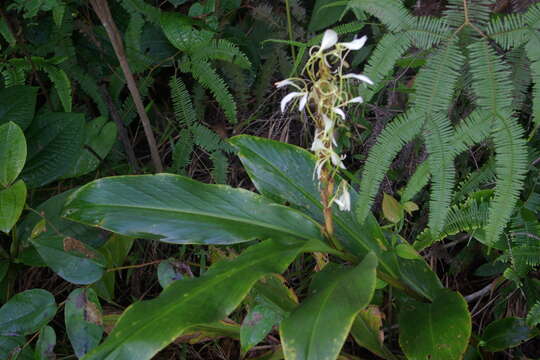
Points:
point(323, 93)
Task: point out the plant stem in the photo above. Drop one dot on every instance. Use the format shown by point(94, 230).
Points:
point(289, 29)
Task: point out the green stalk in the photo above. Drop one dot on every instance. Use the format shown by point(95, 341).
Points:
point(289, 29)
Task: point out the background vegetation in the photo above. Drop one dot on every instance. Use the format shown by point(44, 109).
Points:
point(443, 157)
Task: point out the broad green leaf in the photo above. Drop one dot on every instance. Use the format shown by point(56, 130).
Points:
point(439, 330)
point(258, 322)
point(70, 258)
point(9, 345)
point(12, 202)
point(324, 17)
point(55, 143)
point(272, 292)
point(26, 312)
point(12, 152)
point(4, 267)
point(203, 333)
point(180, 210)
point(392, 209)
point(51, 224)
point(284, 173)
point(367, 332)
point(17, 104)
point(45, 344)
point(407, 251)
point(506, 333)
point(146, 327)
point(180, 31)
point(100, 138)
point(317, 329)
point(84, 322)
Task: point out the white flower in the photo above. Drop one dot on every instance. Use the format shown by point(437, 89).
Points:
point(356, 44)
point(357, 99)
point(344, 200)
point(303, 102)
point(360, 77)
point(291, 96)
point(339, 112)
point(328, 123)
point(283, 83)
point(317, 145)
point(329, 39)
point(336, 160)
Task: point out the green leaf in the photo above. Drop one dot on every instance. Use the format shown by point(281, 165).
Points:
point(392, 209)
point(439, 330)
point(407, 251)
point(256, 325)
point(12, 152)
point(322, 18)
point(33, 224)
point(284, 173)
point(367, 332)
point(146, 327)
point(180, 210)
point(100, 138)
point(317, 329)
point(115, 250)
point(506, 333)
point(54, 144)
point(70, 258)
point(10, 345)
point(45, 344)
point(17, 104)
point(84, 322)
point(12, 202)
point(26, 312)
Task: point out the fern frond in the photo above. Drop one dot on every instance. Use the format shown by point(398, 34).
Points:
point(441, 165)
point(13, 74)
point(533, 53)
point(509, 31)
point(223, 50)
point(436, 81)
point(264, 78)
point(533, 317)
point(137, 60)
point(90, 87)
point(62, 85)
point(521, 76)
point(394, 136)
point(391, 13)
point(181, 99)
point(491, 84)
point(203, 72)
point(418, 180)
point(382, 62)
point(473, 181)
point(220, 167)
point(206, 138)
point(182, 151)
point(428, 32)
point(472, 130)
point(477, 11)
point(469, 217)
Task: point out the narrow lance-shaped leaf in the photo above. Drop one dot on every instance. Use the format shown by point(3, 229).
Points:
point(180, 210)
point(146, 327)
point(317, 329)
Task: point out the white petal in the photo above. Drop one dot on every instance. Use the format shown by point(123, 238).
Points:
point(360, 77)
point(317, 145)
point(328, 123)
point(329, 39)
point(336, 160)
point(357, 99)
point(303, 102)
point(339, 112)
point(288, 98)
point(283, 83)
point(356, 44)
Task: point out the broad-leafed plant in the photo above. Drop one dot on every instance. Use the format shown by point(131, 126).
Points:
point(299, 210)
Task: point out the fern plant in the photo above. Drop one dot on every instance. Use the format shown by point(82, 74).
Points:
point(465, 59)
